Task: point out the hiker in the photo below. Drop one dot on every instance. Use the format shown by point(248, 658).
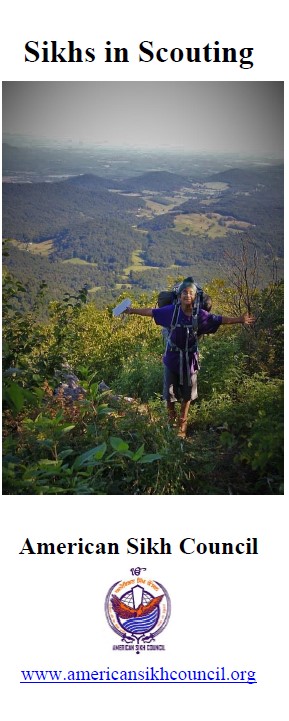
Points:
point(181, 354)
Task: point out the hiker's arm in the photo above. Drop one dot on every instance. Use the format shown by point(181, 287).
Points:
point(244, 319)
point(139, 311)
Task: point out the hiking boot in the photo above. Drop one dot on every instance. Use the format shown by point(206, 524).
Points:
point(183, 424)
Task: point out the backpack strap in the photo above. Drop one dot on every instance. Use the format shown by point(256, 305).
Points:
point(175, 317)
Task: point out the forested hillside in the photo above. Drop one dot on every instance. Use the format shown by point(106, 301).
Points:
point(122, 232)
point(40, 211)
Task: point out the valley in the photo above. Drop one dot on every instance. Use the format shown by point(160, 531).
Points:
point(121, 228)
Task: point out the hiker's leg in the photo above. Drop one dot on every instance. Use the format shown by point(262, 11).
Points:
point(171, 411)
point(185, 405)
point(189, 394)
point(183, 420)
point(169, 394)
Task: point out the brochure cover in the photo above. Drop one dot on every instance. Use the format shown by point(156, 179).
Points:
point(143, 507)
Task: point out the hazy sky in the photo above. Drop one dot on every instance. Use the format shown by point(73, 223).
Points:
point(240, 116)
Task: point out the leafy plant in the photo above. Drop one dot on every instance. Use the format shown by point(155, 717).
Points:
point(104, 444)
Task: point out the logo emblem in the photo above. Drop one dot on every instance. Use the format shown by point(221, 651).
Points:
point(137, 609)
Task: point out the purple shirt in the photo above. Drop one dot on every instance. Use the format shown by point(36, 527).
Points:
point(207, 323)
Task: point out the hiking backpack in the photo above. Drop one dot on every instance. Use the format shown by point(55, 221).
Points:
point(202, 301)
point(170, 297)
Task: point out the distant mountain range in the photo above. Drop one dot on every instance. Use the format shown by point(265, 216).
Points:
point(171, 220)
point(155, 181)
point(270, 176)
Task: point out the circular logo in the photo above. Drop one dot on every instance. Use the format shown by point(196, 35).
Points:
point(137, 610)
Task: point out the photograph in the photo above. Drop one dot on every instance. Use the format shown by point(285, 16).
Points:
point(142, 293)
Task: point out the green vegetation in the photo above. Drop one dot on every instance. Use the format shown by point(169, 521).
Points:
point(45, 248)
point(137, 263)
point(211, 224)
point(104, 443)
point(79, 261)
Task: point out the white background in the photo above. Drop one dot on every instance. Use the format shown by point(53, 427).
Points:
point(225, 610)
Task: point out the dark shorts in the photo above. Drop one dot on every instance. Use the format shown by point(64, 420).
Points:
point(173, 391)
